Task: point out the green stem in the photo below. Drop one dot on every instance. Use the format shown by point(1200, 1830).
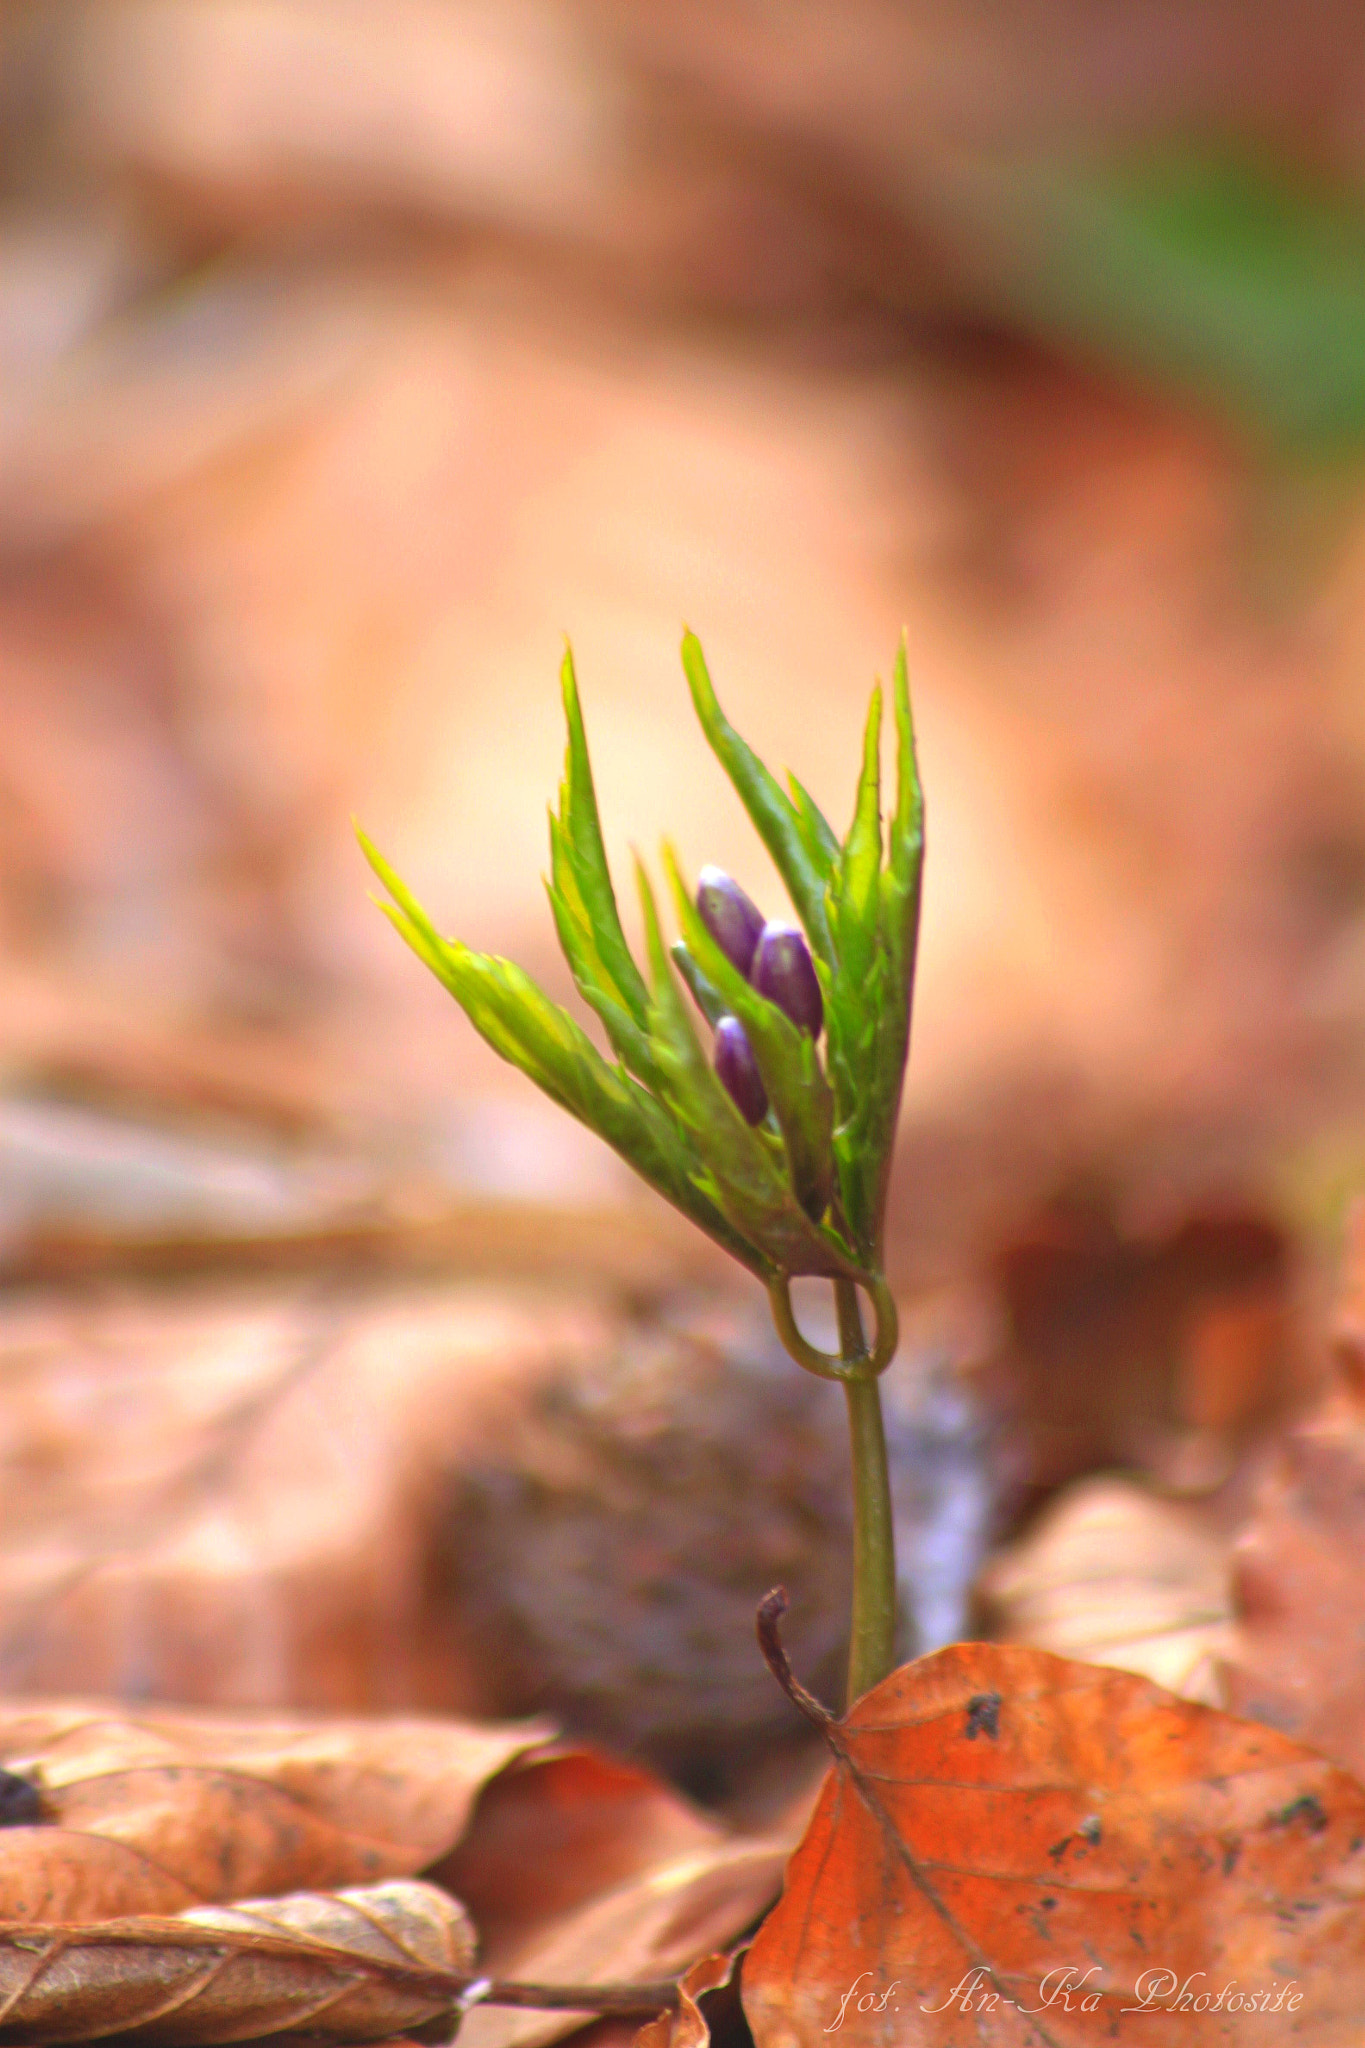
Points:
point(872, 1648)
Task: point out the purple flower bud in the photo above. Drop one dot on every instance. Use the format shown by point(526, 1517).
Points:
point(733, 921)
point(783, 972)
point(737, 1071)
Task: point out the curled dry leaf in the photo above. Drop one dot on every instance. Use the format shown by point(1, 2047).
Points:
point(155, 1812)
point(346, 1966)
point(1016, 1849)
point(686, 2026)
point(581, 1870)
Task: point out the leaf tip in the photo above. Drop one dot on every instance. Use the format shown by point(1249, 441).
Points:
point(568, 679)
point(698, 675)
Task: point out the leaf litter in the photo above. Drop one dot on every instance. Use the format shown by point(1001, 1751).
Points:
point(579, 1869)
point(171, 1808)
point(188, 1876)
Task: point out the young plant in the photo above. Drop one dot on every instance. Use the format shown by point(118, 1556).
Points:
point(779, 1156)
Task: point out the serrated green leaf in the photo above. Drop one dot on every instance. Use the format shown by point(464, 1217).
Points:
point(582, 851)
point(816, 831)
point(856, 899)
point(749, 1188)
point(775, 817)
point(628, 1041)
point(524, 1027)
point(855, 991)
point(787, 1058)
point(898, 928)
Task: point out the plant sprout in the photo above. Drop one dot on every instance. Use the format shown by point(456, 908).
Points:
point(781, 1157)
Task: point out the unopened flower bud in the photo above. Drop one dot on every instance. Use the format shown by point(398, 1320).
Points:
point(783, 972)
point(737, 1071)
point(733, 921)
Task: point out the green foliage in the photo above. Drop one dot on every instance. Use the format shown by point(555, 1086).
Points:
point(521, 1024)
point(1231, 278)
point(803, 1192)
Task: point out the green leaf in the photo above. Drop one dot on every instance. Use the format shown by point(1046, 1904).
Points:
point(581, 851)
point(523, 1026)
point(815, 829)
point(787, 1058)
point(704, 995)
point(856, 898)
point(629, 1040)
point(898, 926)
point(749, 1188)
point(855, 992)
point(776, 819)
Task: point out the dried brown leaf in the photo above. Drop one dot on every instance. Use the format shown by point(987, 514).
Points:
point(231, 1497)
point(1016, 1849)
point(685, 2026)
point(580, 1870)
point(1297, 1657)
point(346, 1966)
point(173, 1808)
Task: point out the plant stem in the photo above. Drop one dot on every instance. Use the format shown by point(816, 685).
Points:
point(872, 1648)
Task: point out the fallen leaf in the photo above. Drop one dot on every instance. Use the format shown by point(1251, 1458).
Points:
point(685, 2026)
point(1159, 1350)
point(229, 1497)
point(580, 1870)
point(477, 1499)
point(344, 1966)
point(155, 1812)
point(1006, 1835)
point(1112, 1574)
point(1297, 1655)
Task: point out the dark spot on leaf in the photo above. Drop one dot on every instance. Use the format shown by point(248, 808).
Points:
point(1307, 1809)
point(1231, 1853)
point(21, 1803)
point(1059, 1849)
point(983, 1716)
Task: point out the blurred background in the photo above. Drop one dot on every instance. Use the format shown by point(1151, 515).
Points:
point(349, 359)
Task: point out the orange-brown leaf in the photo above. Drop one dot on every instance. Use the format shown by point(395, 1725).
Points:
point(154, 1812)
point(998, 1817)
point(349, 1966)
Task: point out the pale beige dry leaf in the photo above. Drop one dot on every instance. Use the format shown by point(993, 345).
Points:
point(154, 1812)
point(1112, 1574)
point(354, 1965)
